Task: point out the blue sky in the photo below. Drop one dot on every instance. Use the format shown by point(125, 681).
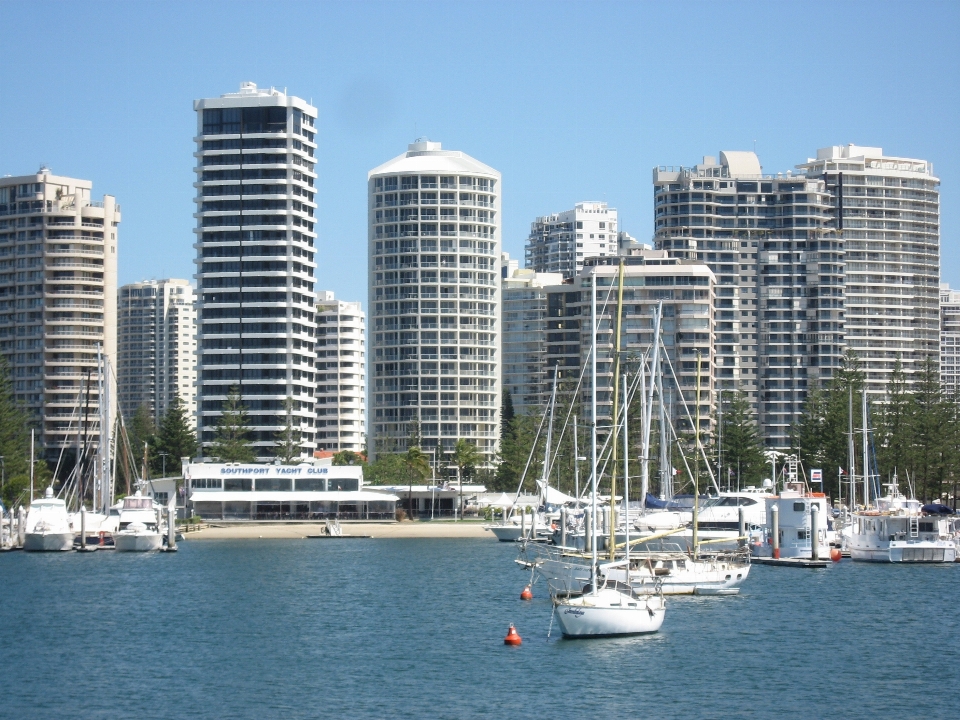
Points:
point(569, 100)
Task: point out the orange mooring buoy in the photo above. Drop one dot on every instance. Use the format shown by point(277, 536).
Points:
point(512, 637)
point(526, 594)
point(835, 554)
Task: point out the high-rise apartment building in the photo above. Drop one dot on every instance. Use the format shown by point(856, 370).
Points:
point(779, 267)
point(891, 243)
point(341, 374)
point(434, 251)
point(686, 290)
point(58, 298)
point(156, 347)
point(560, 243)
point(524, 330)
point(255, 185)
point(950, 340)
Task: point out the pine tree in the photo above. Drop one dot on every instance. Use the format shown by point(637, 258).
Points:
point(174, 437)
point(929, 435)
point(231, 441)
point(141, 430)
point(742, 446)
point(15, 445)
point(289, 449)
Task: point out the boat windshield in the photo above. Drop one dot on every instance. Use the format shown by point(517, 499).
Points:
point(137, 503)
point(728, 502)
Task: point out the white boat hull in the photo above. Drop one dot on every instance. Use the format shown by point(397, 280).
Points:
point(140, 542)
point(504, 533)
point(922, 552)
point(609, 614)
point(48, 542)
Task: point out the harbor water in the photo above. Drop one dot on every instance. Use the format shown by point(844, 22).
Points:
point(401, 628)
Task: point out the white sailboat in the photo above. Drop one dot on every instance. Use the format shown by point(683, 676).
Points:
point(605, 608)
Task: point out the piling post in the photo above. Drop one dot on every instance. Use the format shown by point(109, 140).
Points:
point(21, 526)
point(588, 530)
point(742, 526)
point(775, 521)
point(171, 528)
point(814, 531)
point(563, 527)
point(83, 527)
point(523, 522)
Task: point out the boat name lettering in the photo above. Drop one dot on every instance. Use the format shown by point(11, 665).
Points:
point(573, 611)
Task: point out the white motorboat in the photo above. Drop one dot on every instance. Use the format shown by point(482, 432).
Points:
point(613, 610)
point(794, 508)
point(48, 526)
point(899, 531)
point(139, 526)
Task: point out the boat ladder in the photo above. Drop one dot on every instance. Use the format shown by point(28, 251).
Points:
point(914, 526)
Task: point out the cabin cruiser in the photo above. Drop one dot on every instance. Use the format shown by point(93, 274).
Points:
point(900, 530)
point(48, 527)
point(139, 528)
point(795, 509)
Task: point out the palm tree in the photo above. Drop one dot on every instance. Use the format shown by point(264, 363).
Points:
point(417, 466)
point(466, 457)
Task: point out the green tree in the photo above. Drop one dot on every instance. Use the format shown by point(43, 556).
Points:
point(348, 457)
point(387, 469)
point(231, 440)
point(175, 437)
point(742, 447)
point(141, 430)
point(288, 440)
point(417, 467)
point(931, 457)
point(15, 446)
point(893, 425)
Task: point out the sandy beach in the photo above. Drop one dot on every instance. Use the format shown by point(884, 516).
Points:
point(434, 529)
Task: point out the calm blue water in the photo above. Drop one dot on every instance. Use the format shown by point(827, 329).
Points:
point(414, 628)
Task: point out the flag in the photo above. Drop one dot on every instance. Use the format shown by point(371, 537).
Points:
point(842, 471)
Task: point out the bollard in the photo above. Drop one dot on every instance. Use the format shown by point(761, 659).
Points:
point(588, 530)
point(563, 527)
point(742, 525)
point(814, 530)
point(775, 520)
point(83, 527)
point(171, 529)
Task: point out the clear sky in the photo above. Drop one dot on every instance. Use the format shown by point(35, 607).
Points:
point(569, 100)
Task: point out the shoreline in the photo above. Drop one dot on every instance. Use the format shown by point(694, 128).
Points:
point(291, 531)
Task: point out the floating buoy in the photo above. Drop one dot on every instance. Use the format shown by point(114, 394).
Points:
point(526, 594)
point(835, 554)
point(512, 637)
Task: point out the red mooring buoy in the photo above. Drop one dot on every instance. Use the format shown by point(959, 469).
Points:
point(526, 594)
point(835, 554)
point(512, 637)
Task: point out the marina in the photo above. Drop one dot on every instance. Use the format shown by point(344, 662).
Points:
point(294, 602)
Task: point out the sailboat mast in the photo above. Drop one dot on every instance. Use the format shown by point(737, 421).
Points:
point(647, 407)
point(851, 460)
point(576, 462)
point(614, 415)
point(866, 457)
point(626, 463)
point(545, 476)
point(696, 465)
point(593, 429)
point(666, 467)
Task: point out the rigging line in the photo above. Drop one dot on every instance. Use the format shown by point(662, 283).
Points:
point(63, 446)
point(700, 447)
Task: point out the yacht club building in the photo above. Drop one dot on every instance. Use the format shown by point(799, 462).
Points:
point(239, 492)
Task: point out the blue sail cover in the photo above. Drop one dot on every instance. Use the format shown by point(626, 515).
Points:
point(937, 509)
point(658, 504)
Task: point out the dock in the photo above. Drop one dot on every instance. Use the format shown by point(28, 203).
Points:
point(791, 562)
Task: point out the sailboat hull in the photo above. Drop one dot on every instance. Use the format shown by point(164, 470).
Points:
point(610, 613)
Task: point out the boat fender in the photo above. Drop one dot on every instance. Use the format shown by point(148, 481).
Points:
point(512, 638)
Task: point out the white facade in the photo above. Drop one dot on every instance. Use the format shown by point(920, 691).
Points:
point(559, 243)
point(255, 261)
point(157, 347)
point(434, 248)
point(891, 242)
point(524, 327)
point(58, 297)
point(341, 374)
point(950, 339)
